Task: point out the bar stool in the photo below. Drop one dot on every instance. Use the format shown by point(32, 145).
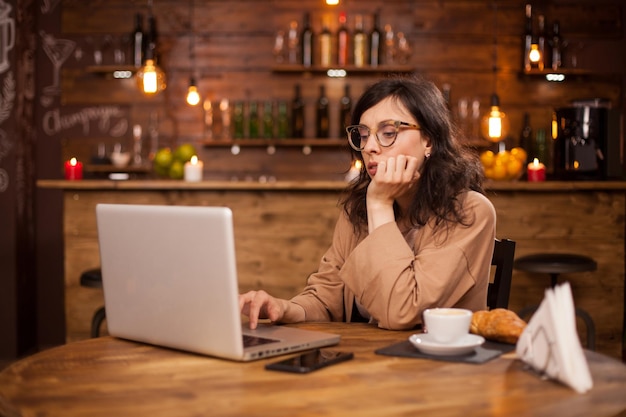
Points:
point(555, 264)
point(92, 278)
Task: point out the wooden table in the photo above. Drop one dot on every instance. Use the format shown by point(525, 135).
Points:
point(114, 377)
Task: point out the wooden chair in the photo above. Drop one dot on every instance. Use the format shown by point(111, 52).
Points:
point(500, 289)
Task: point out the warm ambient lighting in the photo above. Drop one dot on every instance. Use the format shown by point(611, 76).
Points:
point(534, 55)
point(495, 125)
point(150, 78)
point(193, 97)
point(332, 2)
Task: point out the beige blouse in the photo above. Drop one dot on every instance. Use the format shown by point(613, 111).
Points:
point(395, 280)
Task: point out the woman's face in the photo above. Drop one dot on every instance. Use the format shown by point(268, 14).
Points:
point(409, 141)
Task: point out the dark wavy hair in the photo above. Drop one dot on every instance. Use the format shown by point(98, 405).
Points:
point(450, 170)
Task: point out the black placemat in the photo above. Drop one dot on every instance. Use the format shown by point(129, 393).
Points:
point(488, 351)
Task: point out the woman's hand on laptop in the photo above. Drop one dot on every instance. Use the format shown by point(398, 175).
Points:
point(260, 305)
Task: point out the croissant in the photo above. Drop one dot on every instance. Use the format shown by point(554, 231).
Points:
point(500, 325)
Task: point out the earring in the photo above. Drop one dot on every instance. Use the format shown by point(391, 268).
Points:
point(427, 155)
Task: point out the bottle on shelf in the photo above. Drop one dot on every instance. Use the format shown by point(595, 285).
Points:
point(306, 41)
point(540, 147)
point(359, 43)
point(345, 109)
point(557, 46)
point(297, 114)
point(322, 120)
point(293, 43)
point(526, 137)
point(238, 121)
point(528, 38)
point(375, 42)
point(541, 42)
point(253, 120)
point(390, 45)
point(268, 120)
point(138, 41)
point(343, 41)
point(282, 121)
point(325, 42)
point(151, 38)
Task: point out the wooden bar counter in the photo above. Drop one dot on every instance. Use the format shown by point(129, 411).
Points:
point(107, 376)
point(283, 228)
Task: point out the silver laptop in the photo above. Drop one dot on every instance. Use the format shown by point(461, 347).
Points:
point(170, 279)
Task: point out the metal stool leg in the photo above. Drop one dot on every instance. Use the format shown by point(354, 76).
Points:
point(96, 321)
point(591, 328)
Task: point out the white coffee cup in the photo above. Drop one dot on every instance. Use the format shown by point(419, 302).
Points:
point(447, 325)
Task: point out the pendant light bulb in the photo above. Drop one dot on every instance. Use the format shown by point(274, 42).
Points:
point(534, 55)
point(193, 97)
point(332, 2)
point(150, 78)
point(495, 125)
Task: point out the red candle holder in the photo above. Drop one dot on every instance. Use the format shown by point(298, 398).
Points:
point(73, 170)
point(536, 171)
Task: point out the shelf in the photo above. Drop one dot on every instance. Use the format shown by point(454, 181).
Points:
point(566, 72)
point(307, 145)
point(114, 71)
point(347, 70)
point(275, 142)
point(112, 168)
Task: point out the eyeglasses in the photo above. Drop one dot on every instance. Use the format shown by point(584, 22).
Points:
point(386, 133)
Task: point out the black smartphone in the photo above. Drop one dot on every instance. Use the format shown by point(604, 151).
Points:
point(310, 361)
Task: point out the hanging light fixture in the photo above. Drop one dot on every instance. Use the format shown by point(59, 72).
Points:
point(193, 96)
point(495, 124)
point(150, 77)
point(332, 2)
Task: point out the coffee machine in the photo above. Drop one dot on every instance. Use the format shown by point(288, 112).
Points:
point(588, 141)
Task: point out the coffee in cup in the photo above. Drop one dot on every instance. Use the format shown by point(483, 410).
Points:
point(447, 325)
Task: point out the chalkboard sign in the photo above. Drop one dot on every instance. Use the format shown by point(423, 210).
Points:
point(105, 121)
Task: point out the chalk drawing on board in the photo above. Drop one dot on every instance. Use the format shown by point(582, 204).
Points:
point(58, 50)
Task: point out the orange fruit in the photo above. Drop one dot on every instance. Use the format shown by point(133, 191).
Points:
point(513, 168)
point(503, 157)
point(487, 158)
point(499, 171)
point(519, 154)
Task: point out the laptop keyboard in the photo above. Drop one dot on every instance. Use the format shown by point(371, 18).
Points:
point(250, 341)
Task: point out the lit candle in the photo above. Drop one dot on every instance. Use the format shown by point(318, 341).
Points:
point(73, 170)
point(193, 170)
point(536, 171)
point(355, 170)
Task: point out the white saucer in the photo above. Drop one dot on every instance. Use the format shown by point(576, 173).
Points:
point(425, 343)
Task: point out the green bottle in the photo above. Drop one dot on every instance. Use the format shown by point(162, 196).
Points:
point(282, 121)
point(253, 120)
point(238, 120)
point(268, 120)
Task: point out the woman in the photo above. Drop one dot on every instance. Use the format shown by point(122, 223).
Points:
point(416, 230)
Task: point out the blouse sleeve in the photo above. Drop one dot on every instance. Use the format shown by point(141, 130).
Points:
point(323, 296)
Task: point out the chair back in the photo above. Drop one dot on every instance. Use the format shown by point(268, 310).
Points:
point(500, 289)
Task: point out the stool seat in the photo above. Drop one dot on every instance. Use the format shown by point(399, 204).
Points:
point(555, 263)
point(92, 278)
